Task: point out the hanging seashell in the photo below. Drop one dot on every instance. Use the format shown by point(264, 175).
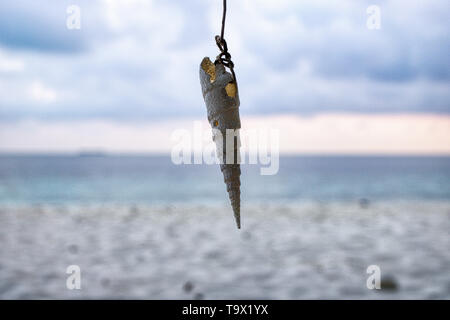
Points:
point(222, 103)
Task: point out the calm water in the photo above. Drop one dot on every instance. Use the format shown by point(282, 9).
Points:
point(155, 180)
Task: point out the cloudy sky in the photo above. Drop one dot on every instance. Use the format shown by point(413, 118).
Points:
point(132, 71)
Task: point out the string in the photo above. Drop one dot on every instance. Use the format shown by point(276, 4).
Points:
point(224, 16)
point(224, 57)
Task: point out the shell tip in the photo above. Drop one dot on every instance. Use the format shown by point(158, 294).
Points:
point(237, 217)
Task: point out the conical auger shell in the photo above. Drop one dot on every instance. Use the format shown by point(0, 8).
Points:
point(221, 97)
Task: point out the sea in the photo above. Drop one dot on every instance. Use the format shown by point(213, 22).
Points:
point(110, 226)
point(127, 179)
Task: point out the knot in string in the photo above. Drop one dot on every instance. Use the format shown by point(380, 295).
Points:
point(224, 57)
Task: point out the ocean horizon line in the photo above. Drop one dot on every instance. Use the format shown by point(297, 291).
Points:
point(103, 153)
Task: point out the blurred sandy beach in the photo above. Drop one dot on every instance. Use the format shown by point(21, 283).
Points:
point(308, 251)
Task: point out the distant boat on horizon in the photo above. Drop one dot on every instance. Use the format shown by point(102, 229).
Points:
point(93, 153)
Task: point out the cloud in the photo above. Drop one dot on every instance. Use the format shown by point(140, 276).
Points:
point(9, 64)
point(333, 37)
point(136, 60)
point(39, 26)
point(39, 92)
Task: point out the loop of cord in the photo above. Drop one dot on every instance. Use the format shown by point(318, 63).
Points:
point(224, 57)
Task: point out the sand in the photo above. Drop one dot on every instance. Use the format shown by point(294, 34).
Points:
point(297, 251)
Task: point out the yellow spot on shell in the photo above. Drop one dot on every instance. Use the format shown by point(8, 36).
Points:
point(216, 123)
point(231, 89)
point(209, 68)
